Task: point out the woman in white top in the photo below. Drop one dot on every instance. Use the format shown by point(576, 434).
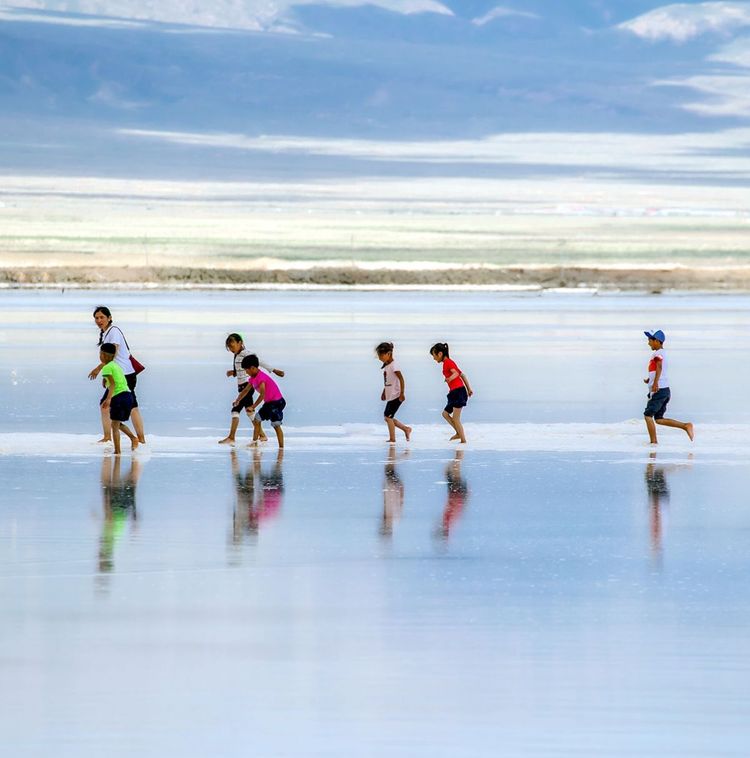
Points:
point(108, 332)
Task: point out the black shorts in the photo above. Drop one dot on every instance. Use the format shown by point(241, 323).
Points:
point(391, 407)
point(132, 380)
point(657, 403)
point(120, 406)
point(273, 412)
point(246, 401)
point(457, 398)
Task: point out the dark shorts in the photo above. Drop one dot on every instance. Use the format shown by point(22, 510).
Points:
point(273, 412)
point(391, 407)
point(457, 399)
point(657, 403)
point(246, 401)
point(132, 380)
point(120, 406)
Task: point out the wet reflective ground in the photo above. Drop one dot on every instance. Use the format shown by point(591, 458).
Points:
point(375, 604)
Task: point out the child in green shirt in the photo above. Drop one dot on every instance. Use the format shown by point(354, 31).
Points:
point(117, 398)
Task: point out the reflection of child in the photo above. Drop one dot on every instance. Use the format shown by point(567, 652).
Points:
point(659, 393)
point(459, 389)
point(269, 394)
point(393, 390)
point(117, 397)
point(458, 492)
point(393, 495)
point(236, 346)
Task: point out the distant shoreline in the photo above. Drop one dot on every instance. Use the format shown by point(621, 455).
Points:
point(538, 277)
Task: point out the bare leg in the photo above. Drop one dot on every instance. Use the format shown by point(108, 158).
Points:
point(390, 423)
point(257, 431)
point(262, 437)
point(403, 427)
point(458, 425)
point(651, 426)
point(686, 427)
point(449, 419)
point(279, 436)
point(133, 439)
point(137, 419)
point(116, 436)
point(106, 425)
point(229, 439)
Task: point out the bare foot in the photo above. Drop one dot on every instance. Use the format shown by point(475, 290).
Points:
point(263, 438)
point(134, 445)
point(103, 441)
point(227, 441)
point(407, 433)
point(391, 442)
point(142, 440)
point(455, 437)
point(254, 443)
point(690, 431)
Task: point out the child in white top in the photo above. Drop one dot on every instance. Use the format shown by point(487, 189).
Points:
point(659, 393)
point(393, 391)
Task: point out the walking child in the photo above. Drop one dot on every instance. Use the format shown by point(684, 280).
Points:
point(659, 393)
point(459, 389)
point(236, 346)
point(394, 387)
point(269, 394)
point(117, 398)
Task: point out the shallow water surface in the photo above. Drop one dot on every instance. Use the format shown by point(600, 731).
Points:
point(374, 603)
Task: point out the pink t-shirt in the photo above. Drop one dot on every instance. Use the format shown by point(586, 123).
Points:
point(272, 389)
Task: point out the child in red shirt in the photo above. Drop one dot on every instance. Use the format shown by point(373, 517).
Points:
point(459, 389)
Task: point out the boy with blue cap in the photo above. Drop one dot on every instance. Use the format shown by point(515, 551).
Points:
point(658, 390)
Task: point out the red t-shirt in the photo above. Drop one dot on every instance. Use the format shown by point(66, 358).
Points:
point(449, 367)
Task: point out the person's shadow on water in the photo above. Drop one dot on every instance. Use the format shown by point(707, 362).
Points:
point(118, 507)
point(457, 497)
point(393, 493)
point(258, 497)
point(658, 496)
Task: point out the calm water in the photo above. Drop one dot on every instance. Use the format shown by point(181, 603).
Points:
point(424, 605)
point(367, 602)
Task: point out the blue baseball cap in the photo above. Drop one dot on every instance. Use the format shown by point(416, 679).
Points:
point(657, 335)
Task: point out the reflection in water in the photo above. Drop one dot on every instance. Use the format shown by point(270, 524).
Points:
point(259, 494)
point(118, 505)
point(657, 489)
point(458, 494)
point(393, 493)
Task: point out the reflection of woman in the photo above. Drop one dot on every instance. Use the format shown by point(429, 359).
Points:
point(458, 493)
point(118, 504)
point(108, 332)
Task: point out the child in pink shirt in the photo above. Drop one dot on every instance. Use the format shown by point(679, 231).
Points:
point(269, 394)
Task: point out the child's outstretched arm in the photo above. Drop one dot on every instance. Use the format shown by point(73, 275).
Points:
point(272, 370)
point(465, 380)
point(261, 396)
point(401, 379)
point(110, 388)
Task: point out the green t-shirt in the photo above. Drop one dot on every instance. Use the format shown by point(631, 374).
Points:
point(118, 375)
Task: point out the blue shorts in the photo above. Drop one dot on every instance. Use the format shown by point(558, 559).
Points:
point(657, 403)
point(273, 412)
point(132, 380)
point(120, 406)
point(391, 407)
point(457, 398)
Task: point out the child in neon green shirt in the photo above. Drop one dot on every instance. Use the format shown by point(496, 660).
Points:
point(118, 398)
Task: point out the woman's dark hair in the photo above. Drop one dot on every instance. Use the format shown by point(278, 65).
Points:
point(383, 348)
point(105, 312)
point(250, 361)
point(440, 347)
point(233, 337)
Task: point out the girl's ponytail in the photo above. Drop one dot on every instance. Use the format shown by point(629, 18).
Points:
point(440, 347)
